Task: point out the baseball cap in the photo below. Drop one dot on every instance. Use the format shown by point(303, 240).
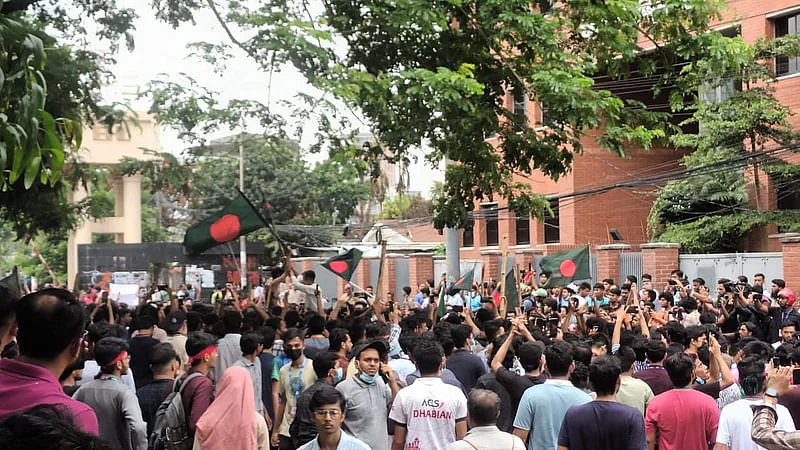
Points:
point(175, 321)
point(572, 287)
point(378, 344)
point(540, 293)
point(527, 305)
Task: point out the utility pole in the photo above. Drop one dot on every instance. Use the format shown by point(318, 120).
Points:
point(242, 239)
point(452, 242)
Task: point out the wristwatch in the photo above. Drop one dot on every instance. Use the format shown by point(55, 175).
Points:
point(771, 393)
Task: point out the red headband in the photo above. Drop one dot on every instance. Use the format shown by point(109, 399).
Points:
point(206, 351)
point(119, 358)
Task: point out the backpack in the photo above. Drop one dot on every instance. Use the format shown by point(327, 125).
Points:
point(170, 430)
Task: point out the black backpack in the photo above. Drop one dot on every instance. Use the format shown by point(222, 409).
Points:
point(170, 429)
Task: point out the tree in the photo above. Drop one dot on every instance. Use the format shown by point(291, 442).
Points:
point(435, 74)
point(711, 212)
point(404, 206)
point(48, 89)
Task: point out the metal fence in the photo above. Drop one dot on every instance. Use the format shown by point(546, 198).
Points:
point(712, 267)
point(465, 265)
point(630, 263)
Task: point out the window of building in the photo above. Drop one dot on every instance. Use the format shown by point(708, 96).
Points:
point(544, 121)
point(100, 133)
point(520, 101)
point(788, 195)
point(552, 233)
point(784, 26)
point(469, 240)
point(489, 213)
point(546, 5)
point(523, 229)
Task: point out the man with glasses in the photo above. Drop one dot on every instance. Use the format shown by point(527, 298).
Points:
point(50, 336)
point(327, 406)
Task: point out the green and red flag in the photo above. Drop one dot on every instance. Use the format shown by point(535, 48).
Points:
point(345, 264)
point(11, 281)
point(465, 282)
point(237, 218)
point(564, 267)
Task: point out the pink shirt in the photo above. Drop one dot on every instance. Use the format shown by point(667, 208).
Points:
point(23, 386)
point(683, 419)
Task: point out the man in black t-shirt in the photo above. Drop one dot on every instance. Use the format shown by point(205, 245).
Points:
point(530, 356)
point(140, 347)
point(603, 424)
point(165, 364)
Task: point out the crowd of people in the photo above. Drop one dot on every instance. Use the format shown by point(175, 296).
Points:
point(609, 365)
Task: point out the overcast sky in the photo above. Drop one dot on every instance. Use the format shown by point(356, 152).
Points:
point(162, 50)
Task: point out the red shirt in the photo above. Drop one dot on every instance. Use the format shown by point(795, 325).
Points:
point(23, 386)
point(683, 419)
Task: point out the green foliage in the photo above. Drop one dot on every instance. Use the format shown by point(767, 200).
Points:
point(435, 74)
point(711, 212)
point(721, 233)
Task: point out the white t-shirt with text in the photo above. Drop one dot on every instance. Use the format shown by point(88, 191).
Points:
point(429, 409)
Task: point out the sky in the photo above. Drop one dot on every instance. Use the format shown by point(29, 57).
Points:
point(161, 50)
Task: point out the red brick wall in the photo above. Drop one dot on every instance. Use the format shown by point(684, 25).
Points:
point(791, 262)
point(420, 269)
point(659, 259)
point(608, 261)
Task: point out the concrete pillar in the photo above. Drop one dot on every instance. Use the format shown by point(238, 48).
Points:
point(608, 261)
point(132, 209)
point(363, 275)
point(790, 245)
point(659, 259)
point(117, 186)
point(420, 269)
point(491, 264)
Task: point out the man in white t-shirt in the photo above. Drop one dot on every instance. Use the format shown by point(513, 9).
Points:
point(428, 414)
point(735, 420)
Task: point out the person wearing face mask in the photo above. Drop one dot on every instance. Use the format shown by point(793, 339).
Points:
point(368, 396)
point(465, 365)
point(329, 373)
point(294, 377)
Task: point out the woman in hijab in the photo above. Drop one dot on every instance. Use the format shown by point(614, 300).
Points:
point(231, 421)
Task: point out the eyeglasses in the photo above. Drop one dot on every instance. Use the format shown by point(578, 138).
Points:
point(334, 413)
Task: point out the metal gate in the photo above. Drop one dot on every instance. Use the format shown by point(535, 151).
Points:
point(630, 263)
point(711, 267)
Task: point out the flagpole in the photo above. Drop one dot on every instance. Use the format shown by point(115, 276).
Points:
point(243, 238)
point(504, 265)
point(379, 284)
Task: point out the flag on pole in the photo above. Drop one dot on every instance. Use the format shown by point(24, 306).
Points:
point(345, 264)
point(512, 293)
point(12, 282)
point(239, 217)
point(465, 282)
point(564, 267)
point(442, 307)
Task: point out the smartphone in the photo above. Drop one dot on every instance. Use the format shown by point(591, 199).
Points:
point(458, 309)
point(796, 376)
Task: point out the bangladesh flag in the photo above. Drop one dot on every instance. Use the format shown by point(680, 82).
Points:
point(512, 293)
point(345, 264)
point(12, 282)
point(237, 218)
point(564, 267)
point(465, 282)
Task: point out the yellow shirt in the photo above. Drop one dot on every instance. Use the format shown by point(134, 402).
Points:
point(287, 388)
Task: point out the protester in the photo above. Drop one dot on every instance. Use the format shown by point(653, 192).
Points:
point(329, 373)
point(117, 408)
point(543, 406)
point(177, 329)
point(228, 347)
point(368, 397)
point(97, 331)
point(681, 418)
point(632, 392)
point(428, 414)
point(327, 406)
point(483, 408)
point(655, 375)
point(199, 390)
point(316, 342)
point(50, 335)
point(765, 417)
point(465, 365)
point(165, 364)
point(603, 424)
point(230, 421)
point(140, 347)
point(8, 323)
point(251, 346)
point(294, 378)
